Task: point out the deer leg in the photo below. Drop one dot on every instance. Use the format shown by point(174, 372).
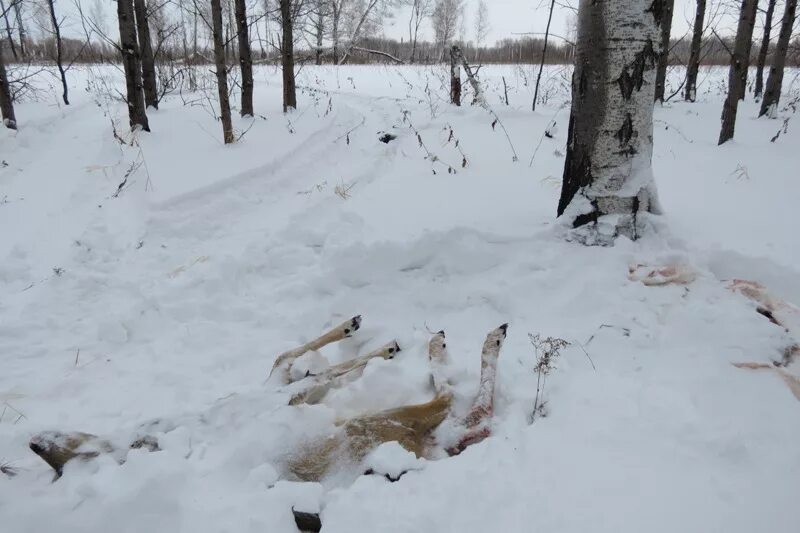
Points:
point(283, 364)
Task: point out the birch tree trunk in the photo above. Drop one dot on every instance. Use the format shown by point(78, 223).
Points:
point(690, 94)
point(772, 94)
point(59, 51)
point(287, 57)
point(764, 50)
point(132, 63)
point(336, 10)
point(146, 50)
point(221, 71)
point(737, 75)
point(455, 76)
point(6, 101)
point(663, 58)
point(320, 29)
point(245, 57)
point(610, 140)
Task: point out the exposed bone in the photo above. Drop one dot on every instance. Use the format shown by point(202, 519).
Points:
point(283, 364)
point(339, 375)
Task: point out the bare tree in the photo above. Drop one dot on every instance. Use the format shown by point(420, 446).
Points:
point(9, 31)
point(420, 10)
point(337, 8)
point(737, 75)
point(366, 10)
point(764, 50)
point(772, 94)
point(59, 50)
point(692, 68)
point(667, 6)
point(245, 58)
point(132, 64)
point(146, 51)
point(6, 99)
point(221, 71)
point(609, 147)
point(287, 56)
point(319, 18)
point(20, 27)
point(481, 27)
point(544, 55)
point(446, 18)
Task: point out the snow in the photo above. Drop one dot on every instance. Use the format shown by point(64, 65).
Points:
point(161, 311)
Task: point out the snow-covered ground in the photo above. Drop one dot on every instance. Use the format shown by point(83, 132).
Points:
point(171, 300)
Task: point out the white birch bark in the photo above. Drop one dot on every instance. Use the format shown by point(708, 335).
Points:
point(608, 179)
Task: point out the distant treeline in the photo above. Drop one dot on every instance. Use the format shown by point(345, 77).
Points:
point(372, 50)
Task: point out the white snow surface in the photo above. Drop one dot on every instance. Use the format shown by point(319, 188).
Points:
point(170, 301)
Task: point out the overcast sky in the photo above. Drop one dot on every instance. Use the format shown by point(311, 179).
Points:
point(517, 16)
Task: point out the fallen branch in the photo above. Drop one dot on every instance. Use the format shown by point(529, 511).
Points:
point(378, 52)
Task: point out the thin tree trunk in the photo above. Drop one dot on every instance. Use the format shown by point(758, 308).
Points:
point(9, 32)
point(146, 51)
point(544, 53)
point(59, 51)
point(6, 100)
point(455, 76)
point(20, 28)
point(411, 40)
point(690, 95)
point(668, 7)
point(320, 27)
point(131, 62)
point(287, 57)
point(221, 71)
point(764, 50)
point(245, 58)
point(609, 147)
point(772, 94)
point(737, 75)
point(337, 13)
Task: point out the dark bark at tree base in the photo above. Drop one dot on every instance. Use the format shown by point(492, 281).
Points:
point(146, 51)
point(6, 100)
point(132, 64)
point(245, 58)
point(737, 75)
point(772, 94)
point(221, 72)
point(762, 52)
point(692, 68)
